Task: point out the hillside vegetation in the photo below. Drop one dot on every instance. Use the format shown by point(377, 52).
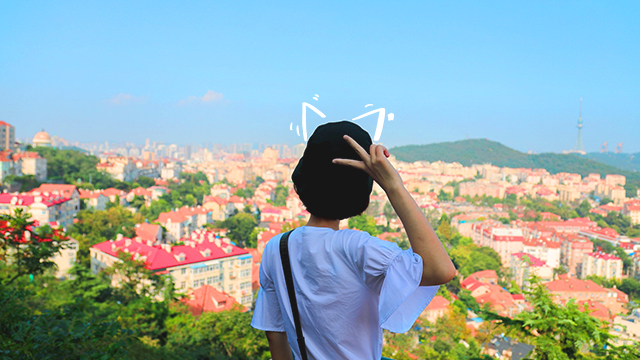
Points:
point(630, 162)
point(482, 151)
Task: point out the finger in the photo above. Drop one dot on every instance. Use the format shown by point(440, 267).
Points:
point(361, 152)
point(372, 153)
point(380, 152)
point(358, 164)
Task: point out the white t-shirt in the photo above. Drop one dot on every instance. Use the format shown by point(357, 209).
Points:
point(349, 285)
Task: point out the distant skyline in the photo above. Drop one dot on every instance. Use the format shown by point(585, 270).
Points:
point(229, 72)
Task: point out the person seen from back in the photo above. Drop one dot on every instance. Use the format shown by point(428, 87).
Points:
point(348, 284)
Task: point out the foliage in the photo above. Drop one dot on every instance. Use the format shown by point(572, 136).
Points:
point(223, 335)
point(66, 332)
point(443, 340)
point(561, 331)
point(241, 227)
point(189, 191)
point(26, 182)
point(281, 194)
point(444, 229)
point(469, 258)
point(365, 223)
point(95, 226)
point(78, 168)
point(26, 248)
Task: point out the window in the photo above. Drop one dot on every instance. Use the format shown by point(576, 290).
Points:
point(246, 299)
point(198, 283)
point(220, 277)
point(245, 285)
point(230, 287)
point(183, 271)
point(182, 285)
point(210, 280)
point(245, 273)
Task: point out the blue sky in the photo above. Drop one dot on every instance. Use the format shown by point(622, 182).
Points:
point(222, 72)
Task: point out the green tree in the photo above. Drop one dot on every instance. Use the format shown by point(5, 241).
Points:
point(95, 226)
point(364, 223)
point(25, 248)
point(240, 227)
point(281, 194)
point(562, 331)
point(444, 228)
point(221, 335)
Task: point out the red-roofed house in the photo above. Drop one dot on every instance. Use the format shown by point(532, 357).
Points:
point(484, 276)
point(178, 225)
point(217, 205)
point(94, 199)
point(544, 249)
point(149, 232)
point(204, 259)
point(43, 208)
point(583, 290)
point(572, 251)
point(31, 164)
point(524, 265)
point(601, 264)
point(199, 215)
point(64, 190)
point(208, 299)
point(595, 309)
point(499, 300)
point(114, 194)
point(436, 309)
point(632, 209)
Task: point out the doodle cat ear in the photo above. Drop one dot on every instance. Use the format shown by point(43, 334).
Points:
point(304, 117)
point(380, 123)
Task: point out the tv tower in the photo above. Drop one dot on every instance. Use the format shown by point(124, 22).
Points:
point(579, 146)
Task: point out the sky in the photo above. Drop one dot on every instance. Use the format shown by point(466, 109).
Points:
point(225, 72)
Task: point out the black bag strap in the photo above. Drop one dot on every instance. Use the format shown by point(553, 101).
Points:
point(288, 277)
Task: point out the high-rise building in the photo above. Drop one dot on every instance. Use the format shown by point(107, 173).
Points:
point(7, 136)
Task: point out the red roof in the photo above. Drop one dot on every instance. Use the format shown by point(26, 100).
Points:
point(28, 199)
point(207, 299)
point(158, 258)
point(62, 189)
point(438, 303)
point(595, 309)
point(174, 216)
point(603, 256)
point(147, 232)
point(569, 284)
point(112, 191)
point(533, 261)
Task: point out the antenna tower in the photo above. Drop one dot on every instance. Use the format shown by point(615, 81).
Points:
point(579, 146)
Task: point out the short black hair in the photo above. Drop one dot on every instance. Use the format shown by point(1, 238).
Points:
point(329, 190)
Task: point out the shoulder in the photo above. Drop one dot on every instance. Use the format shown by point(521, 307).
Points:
point(362, 244)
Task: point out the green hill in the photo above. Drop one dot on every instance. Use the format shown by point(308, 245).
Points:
point(482, 151)
point(629, 162)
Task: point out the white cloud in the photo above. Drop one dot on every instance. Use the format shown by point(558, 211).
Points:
point(210, 96)
point(123, 98)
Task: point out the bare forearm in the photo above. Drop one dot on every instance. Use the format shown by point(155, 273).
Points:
point(279, 346)
point(438, 268)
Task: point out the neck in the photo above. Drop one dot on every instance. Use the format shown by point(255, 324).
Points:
point(322, 222)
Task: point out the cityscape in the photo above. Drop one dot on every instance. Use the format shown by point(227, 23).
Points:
point(148, 152)
point(200, 217)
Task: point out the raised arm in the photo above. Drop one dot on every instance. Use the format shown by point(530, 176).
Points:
point(438, 268)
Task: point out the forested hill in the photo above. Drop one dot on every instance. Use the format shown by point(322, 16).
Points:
point(629, 162)
point(482, 151)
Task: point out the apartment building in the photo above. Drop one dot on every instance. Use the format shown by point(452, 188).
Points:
point(205, 259)
point(601, 264)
